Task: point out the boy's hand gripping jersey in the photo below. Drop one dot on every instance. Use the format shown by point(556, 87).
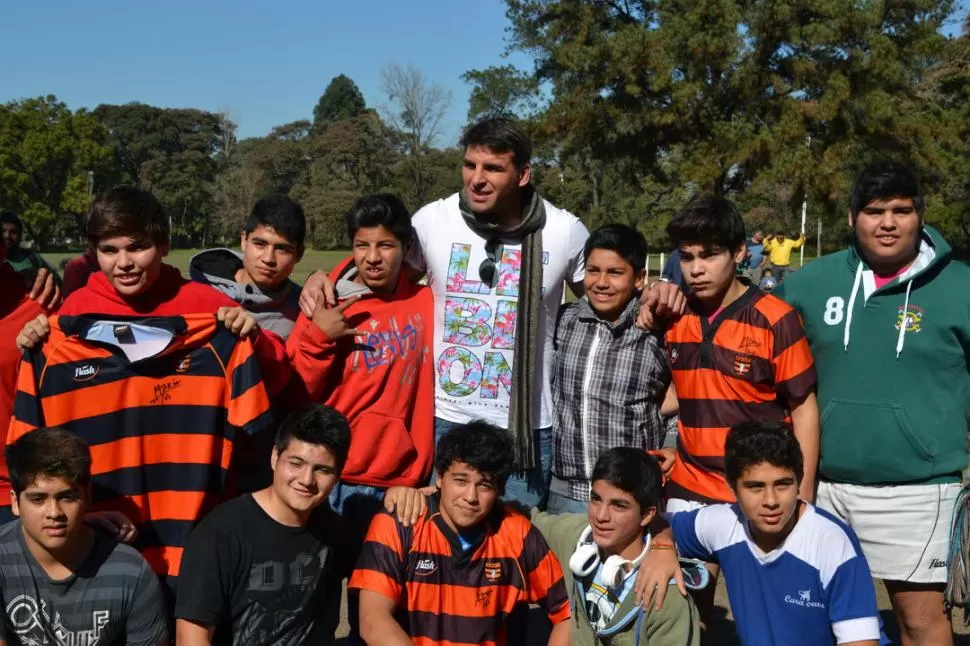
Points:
point(161, 428)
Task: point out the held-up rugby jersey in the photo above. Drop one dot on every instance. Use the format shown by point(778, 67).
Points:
point(453, 596)
point(161, 429)
point(745, 365)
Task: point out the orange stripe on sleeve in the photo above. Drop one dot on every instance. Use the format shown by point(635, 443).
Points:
point(793, 361)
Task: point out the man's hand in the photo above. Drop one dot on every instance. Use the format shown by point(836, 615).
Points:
point(237, 320)
point(661, 303)
point(45, 291)
point(34, 333)
point(334, 321)
point(113, 523)
point(661, 565)
point(409, 504)
point(318, 288)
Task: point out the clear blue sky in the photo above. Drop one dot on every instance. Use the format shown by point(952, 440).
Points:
point(265, 62)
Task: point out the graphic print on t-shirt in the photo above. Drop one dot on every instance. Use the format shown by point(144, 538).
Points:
point(279, 595)
point(32, 623)
point(479, 333)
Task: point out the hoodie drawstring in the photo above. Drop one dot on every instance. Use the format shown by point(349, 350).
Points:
point(846, 332)
point(904, 321)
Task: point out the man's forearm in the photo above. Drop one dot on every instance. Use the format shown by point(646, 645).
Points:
point(383, 631)
point(805, 423)
point(560, 634)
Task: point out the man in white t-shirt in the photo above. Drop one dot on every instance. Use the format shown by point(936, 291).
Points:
point(478, 247)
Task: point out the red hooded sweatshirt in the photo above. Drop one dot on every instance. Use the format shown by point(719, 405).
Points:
point(16, 309)
point(383, 382)
point(173, 295)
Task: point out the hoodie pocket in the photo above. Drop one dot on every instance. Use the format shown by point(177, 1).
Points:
point(866, 442)
point(381, 448)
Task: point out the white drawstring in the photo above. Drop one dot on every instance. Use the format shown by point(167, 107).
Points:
point(904, 321)
point(848, 314)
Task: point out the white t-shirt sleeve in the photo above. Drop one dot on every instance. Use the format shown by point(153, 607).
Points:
point(852, 602)
point(578, 234)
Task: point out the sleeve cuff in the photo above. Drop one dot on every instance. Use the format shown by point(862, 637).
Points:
point(856, 630)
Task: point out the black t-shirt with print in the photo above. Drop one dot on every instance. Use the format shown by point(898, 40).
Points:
point(261, 582)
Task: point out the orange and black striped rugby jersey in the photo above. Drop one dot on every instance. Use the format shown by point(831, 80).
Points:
point(748, 364)
point(161, 430)
point(451, 596)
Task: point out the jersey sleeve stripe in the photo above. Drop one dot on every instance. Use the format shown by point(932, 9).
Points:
point(247, 410)
point(244, 371)
point(368, 579)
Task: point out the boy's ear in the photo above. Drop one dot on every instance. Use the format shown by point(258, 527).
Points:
point(648, 514)
point(739, 253)
point(641, 280)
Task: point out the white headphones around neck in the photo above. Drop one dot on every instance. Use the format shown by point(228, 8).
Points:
point(586, 558)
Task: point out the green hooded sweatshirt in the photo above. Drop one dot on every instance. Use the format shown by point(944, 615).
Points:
point(675, 624)
point(892, 364)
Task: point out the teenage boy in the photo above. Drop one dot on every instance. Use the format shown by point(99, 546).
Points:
point(467, 564)
point(496, 255)
point(63, 582)
point(737, 354)
point(794, 573)
point(779, 249)
point(259, 277)
point(380, 375)
point(25, 262)
point(888, 320)
point(266, 568)
point(610, 377)
point(129, 232)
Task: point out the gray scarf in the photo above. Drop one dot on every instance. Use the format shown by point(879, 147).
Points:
point(526, 350)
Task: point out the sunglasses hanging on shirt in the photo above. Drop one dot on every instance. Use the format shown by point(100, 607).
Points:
point(488, 270)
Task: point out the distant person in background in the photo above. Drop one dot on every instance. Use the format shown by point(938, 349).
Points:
point(671, 272)
point(755, 257)
point(768, 281)
point(78, 270)
point(25, 262)
point(779, 249)
point(258, 277)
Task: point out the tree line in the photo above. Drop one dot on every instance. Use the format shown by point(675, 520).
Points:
point(633, 106)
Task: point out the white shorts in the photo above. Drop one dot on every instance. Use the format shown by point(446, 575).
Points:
point(677, 505)
point(904, 530)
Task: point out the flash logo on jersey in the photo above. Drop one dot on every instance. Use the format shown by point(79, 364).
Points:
point(911, 318)
point(85, 372)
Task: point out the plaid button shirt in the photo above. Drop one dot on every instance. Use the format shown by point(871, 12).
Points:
point(608, 384)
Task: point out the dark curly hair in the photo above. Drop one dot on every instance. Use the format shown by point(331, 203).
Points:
point(751, 443)
point(51, 452)
point(480, 445)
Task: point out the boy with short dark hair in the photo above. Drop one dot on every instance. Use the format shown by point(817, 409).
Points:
point(258, 278)
point(610, 377)
point(794, 573)
point(63, 582)
point(266, 568)
point(467, 564)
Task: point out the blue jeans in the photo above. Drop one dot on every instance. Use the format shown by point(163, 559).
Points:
point(357, 505)
point(529, 488)
point(561, 504)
